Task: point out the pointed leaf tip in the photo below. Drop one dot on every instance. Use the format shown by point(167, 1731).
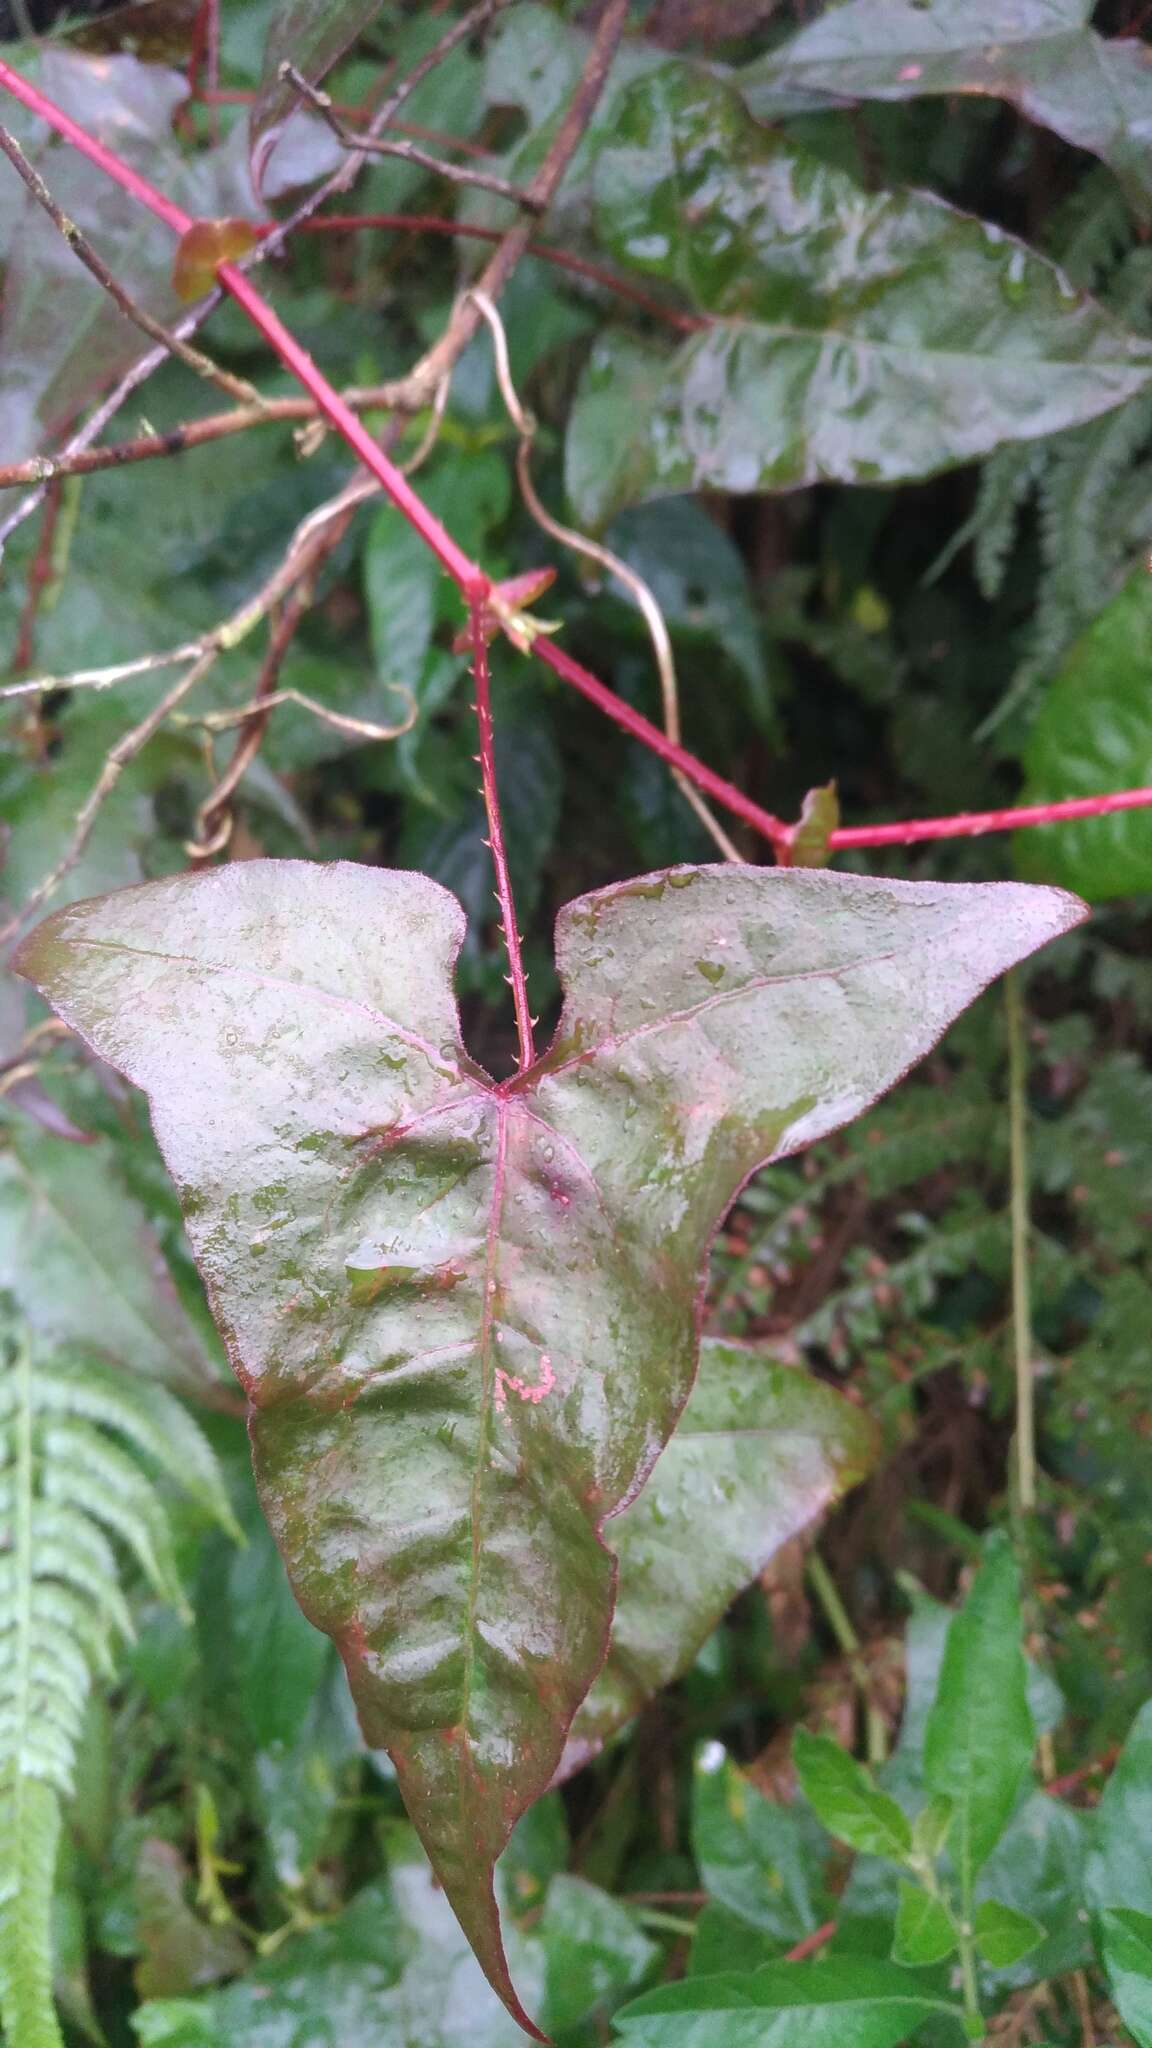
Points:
point(465, 1315)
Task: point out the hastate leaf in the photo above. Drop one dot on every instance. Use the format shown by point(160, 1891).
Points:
point(1040, 55)
point(466, 1312)
point(759, 1451)
point(852, 336)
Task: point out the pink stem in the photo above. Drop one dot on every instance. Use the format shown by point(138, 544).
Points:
point(969, 824)
point(474, 584)
point(478, 624)
point(463, 571)
point(726, 793)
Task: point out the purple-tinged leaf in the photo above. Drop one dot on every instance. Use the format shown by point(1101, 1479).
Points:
point(465, 1312)
point(759, 1452)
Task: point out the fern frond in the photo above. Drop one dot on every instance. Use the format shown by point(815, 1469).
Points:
point(81, 1449)
point(1007, 481)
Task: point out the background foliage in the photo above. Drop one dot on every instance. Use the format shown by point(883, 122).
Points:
point(878, 442)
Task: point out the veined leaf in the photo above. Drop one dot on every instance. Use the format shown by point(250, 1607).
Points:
point(466, 1312)
point(760, 1449)
point(849, 2003)
point(844, 1796)
point(980, 1735)
point(1120, 1878)
point(854, 336)
point(1041, 55)
point(924, 1932)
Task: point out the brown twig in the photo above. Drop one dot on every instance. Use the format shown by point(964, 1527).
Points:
point(81, 247)
point(466, 316)
point(407, 152)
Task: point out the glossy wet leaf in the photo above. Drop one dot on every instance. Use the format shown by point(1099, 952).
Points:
point(465, 1313)
point(82, 1259)
point(980, 1735)
point(759, 1451)
point(830, 2004)
point(864, 337)
point(312, 35)
point(1040, 55)
point(1093, 733)
point(924, 1933)
point(763, 1861)
point(846, 1798)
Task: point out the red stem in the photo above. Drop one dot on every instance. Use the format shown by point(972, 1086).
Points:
point(811, 1942)
point(474, 585)
point(478, 625)
point(969, 824)
point(726, 793)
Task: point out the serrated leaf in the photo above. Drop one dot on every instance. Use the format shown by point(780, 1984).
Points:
point(980, 1736)
point(1093, 733)
point(1003, 1934)
point(760, 1449)
point(465, 1312)
point(1040, 55)
point(839, 2003)
point(845, 1797)
point(853, 336)
point(924, 1931)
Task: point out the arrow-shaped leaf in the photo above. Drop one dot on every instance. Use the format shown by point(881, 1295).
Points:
point(466, 1312)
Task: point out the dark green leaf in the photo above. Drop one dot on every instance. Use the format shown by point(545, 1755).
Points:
point(1120, 1878)
point(1040, 55)
point(81, 1257)
point(980, 1736)
point(924, 1931)
point(764, 1861)
point(1126, 1938)
point(595, 1952)
point(832, 2004)
point(758, 1452)
point(846, 1798)
point(277, 1657)
point(865, 337)
point(465, 1313)
point(1038, 1867)
point(1003, 1935)
point(1093, 734)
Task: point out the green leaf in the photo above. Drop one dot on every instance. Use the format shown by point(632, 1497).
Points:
point(312, 35)
point(1040, 55)
point(1094, 734)
point(79, 1254)
point(831, 2004)
point(1120, 1878)
point(595, 1952)
point(1038, 1867)
point(277, 1658)
point(760, 1449)
point(851, 336)
point(846, 1798)
point(980, 1737)
point(1126, 1941)
point(1004, 1935)
point(762, 1860)
point(465, 1313)
point(932, 1826)
point(924, 1930)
